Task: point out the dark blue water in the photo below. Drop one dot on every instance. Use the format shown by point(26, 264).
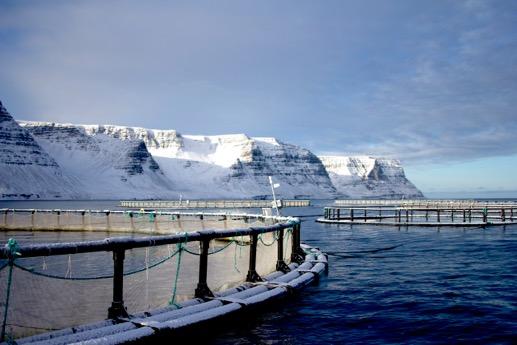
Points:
point(389, 285)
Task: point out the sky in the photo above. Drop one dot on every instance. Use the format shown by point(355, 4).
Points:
point(432, 83)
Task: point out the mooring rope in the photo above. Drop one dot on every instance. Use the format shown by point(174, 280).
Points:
point(12, 251)
point(181, 247)
point(235, 257)
point(213, 252)
point(53, 276)
point(275, 238)
point(286, 238)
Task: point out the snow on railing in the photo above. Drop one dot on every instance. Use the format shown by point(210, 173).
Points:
point(75, 297)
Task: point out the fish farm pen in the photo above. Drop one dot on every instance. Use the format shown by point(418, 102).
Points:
point(422, 203)
point(148, 276)
point(154, 204)
point(423, 213)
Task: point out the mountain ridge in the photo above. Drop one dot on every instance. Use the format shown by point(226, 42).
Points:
point(113, 162)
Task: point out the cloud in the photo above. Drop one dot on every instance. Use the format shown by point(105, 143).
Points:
point(422, 82)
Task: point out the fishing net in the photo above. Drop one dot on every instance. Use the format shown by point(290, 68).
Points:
point(55, 292)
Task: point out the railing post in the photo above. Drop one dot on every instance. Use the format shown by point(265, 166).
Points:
point(117, 308)
point(178, 217)
point(82, 220)
point(108, 221)
point(32, 219)
point(297, 254)
point(365, 215)
point(280, 263)
point(5, 217)
point(253, 276)
point(351, 214)
point(202, 289)
point(338, 214)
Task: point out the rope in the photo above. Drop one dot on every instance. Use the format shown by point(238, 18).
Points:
point(286, 238)
point(68, 273)
point(264, 243)
point(12, 250)
point(210, 253)
point(147, 267)
point(180, 249)
point(235, 258)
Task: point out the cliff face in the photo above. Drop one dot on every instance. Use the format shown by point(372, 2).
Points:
point(225, 166)
point(368, 177)
point(26, 169)
point(103, 166)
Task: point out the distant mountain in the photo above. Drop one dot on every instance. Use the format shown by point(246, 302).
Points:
point(126, 162)
point(369, 177)
point(51, 160)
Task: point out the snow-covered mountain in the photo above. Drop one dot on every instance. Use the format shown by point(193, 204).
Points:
point(103, 166)
point(50, 160)
point(167, 164)
point(369, 177)
point(26, 169)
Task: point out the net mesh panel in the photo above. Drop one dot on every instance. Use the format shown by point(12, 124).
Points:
point(39, 303)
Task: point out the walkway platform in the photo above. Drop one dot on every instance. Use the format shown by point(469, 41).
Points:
point(176, 204)
point(420, 224)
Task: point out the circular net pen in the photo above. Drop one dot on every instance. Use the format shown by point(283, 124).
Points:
point(64, 268)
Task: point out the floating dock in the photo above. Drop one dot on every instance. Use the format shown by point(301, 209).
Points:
point(265, 255)
point(443, 213)
point(183, 204)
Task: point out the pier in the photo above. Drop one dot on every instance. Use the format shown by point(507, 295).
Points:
point(191, 204)
point(161, 282)
point(423, 213)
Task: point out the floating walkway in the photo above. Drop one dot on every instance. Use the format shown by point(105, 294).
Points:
point(163, 324)
point(446, 214)
point(176, 204)
point(36, 297)
point(423, 203)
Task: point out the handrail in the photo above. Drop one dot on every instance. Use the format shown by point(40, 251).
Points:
point(126, 242)
point(118, 245)
point(165, 213)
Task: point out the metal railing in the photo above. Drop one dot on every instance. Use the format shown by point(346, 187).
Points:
point(212, 203)
point(495, 214)
point(119, 245)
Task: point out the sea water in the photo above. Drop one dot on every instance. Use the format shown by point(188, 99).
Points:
point(388, 285)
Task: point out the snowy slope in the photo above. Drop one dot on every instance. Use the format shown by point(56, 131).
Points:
point(369, 177)
point(227, 166)
point(26, 169)
point(103, 166)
